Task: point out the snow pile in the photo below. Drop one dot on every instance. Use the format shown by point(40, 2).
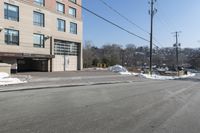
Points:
point(135, 74)
point(125, 73)
point(3, 75)
point(121, 70)
point(117, 68)
point(188, 75)
point(159, 77)
point(5, 80)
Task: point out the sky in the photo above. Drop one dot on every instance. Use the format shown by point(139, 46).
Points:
point(171, 16)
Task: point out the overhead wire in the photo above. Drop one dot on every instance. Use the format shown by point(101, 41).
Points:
point(114, 24)
point(128, 20)
point(124, 17)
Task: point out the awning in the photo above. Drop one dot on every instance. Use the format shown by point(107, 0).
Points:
point(25, 55)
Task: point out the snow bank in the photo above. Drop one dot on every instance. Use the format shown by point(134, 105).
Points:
point(121, 70)
point(5, 80)
point(125, 73)
point(188, 75)
point(3, 75)
point(159, 77)
point(8, 81)
point(136, 74)
point(117, 68)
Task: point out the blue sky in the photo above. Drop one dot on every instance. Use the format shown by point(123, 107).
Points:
point(172, 15)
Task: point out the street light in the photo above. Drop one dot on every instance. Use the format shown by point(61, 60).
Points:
point(46, 37)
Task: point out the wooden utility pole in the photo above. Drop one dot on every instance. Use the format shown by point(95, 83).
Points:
point(152, 12)
point(177, 45)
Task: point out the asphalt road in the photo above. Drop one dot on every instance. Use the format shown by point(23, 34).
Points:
point(139, 107)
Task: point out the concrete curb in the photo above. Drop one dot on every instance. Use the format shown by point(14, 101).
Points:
point(63, 85)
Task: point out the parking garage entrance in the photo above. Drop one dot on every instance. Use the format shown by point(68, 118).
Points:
point(32, 65)
point(25, 62)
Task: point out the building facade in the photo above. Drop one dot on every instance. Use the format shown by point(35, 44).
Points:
point(41, 35)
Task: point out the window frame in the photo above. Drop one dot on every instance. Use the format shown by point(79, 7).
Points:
point(43, 20)
point(6, 15)
point(58, 28)
point(72, 31)
point(59, 3)
point(75, 11)
point(40, 3)
point(8, 42)
point(35, 45)
point(73, 1)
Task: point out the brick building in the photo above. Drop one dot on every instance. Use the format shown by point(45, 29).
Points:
point(41, 35)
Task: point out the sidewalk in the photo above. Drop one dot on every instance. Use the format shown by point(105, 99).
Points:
point(67, 79)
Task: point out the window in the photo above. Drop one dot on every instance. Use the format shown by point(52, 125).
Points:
point(61, 25)
point(11, 12)
point(60, 7)
point(38, 19)
point(11, 37)
point(38, 40)
point(39, 2)
point(72, 11)
point(73, 1)
point(73, 28)
point(66, 48)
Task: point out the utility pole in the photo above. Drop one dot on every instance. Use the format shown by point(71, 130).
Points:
point(177, 45)
point(152, 12)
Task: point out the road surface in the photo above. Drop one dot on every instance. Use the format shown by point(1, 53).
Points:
point(147, 106)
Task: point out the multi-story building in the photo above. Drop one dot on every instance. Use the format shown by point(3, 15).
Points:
point(41, 35)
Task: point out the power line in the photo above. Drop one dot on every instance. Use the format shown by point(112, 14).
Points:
point(165, 20)
point(127, 19)
point(112, 23)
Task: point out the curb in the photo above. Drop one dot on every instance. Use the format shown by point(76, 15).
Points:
point(64, 85)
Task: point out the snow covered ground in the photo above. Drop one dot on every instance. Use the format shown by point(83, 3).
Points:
point(6, 80)
point(159, 77)
point(123, 71)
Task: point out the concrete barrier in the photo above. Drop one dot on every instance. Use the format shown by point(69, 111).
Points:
point(5, 68)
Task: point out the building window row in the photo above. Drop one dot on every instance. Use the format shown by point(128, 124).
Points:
point(11, 12)
point(61, 26)
point(60, 7)
point(42, 2)
point(12, 38)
